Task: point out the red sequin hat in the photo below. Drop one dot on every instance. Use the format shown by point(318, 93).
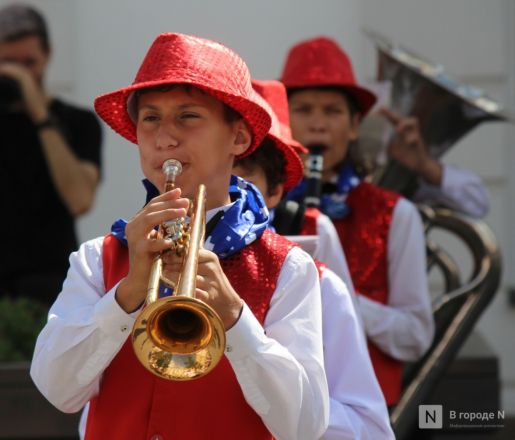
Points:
point(274, 94)
point(320, 62)
point(176, 58)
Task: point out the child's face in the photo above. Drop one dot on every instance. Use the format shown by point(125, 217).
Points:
point(189, 126)
point(323, 117)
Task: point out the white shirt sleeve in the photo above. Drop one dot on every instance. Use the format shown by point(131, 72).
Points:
point(358, 409)
point(86, 328)
point(275, 366)
point(404, 327)
point(461, 190)
point(283, 363)
point(330, 251)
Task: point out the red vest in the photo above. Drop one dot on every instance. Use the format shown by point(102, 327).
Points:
point(364, 237)
point(135, 404)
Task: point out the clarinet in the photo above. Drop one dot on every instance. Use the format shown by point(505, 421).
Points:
point(314, 167)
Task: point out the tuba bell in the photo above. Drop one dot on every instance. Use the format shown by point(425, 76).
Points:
point(445, 109)
point(179, 337)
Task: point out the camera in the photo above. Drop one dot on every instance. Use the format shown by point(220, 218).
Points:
point(10, 93)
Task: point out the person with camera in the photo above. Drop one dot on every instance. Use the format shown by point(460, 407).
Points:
point(50, 165)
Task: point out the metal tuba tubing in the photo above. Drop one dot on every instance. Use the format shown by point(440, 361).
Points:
point(456, 312)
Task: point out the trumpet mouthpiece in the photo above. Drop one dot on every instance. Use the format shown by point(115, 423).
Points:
point(172, 168)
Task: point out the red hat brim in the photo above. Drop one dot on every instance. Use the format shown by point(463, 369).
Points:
point(112, 108)
point(294, 168)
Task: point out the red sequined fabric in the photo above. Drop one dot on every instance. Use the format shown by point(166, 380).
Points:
point(176, 58)
point(321, 62)
point(364, 237)
point(253, 272)
point(274, 95)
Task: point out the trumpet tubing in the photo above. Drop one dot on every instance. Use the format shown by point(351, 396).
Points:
point(179, 337)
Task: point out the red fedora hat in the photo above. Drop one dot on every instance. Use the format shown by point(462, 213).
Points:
point(320, 62)
point(274, 95)
point(175, 58)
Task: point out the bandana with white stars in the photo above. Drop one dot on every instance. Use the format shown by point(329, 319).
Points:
point(242, 222)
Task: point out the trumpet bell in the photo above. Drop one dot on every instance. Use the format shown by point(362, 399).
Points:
point(178, 338)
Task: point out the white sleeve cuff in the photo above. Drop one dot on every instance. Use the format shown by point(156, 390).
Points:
point(112, 320)
point(244, 336)
point(372, 313)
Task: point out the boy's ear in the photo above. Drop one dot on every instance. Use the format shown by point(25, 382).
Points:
point(242, 137)
point(275, 195)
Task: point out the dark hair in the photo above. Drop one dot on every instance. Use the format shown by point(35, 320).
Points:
point(20, 21)
point(270, 160)
point(230, 115)
point(352, 102)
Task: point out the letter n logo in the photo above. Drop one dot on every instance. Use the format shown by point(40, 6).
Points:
point(430, 416)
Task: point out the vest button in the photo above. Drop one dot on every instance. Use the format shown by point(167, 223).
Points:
point(157, 437)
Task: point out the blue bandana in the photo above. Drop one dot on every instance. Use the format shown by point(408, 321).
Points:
point(271, 216)
point(242, 222)
point(332, 204)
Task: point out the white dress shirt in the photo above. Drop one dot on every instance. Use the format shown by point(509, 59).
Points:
point(461, 190)
point(279, 367)
point(358, 408)
point(330, 251)
point(404, 327)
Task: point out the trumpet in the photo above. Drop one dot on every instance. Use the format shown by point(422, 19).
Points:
point(179, 337)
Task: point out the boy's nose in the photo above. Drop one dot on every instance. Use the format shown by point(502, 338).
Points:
point(166, 138)
point(317, 123)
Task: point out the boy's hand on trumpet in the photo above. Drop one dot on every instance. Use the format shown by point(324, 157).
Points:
point(213, 286)
point(144, 244)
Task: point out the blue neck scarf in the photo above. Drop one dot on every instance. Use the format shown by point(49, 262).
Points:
point(242, 222)
point(333, 203)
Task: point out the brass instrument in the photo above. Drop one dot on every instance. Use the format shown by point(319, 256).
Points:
point(456, 310)
point(446, 111)
point(179, 337)
point(445, 108)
